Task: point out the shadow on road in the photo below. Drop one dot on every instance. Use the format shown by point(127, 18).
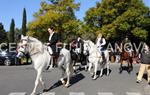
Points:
point(104, 72)
point(75, 79)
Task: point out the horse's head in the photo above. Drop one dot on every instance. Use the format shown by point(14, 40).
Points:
point(22, 48)
point(29, 45)
point(86, 47)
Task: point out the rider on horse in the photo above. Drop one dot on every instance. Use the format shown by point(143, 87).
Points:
point(101, 42)
point(76, 45)
point(127, 46)
point(126, 55)
point(54, 43)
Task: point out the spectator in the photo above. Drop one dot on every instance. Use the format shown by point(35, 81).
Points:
point(145, 63)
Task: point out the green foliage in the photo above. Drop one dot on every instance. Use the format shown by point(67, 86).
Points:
point(115, 19)
point(17, 33)
point(119, 18)
point(11, 34)
point(24, 22)
point(141, 33)
point(3, 35)
point(88, 36)
point(58, 13)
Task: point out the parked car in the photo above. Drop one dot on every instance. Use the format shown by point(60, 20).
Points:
point(8, 58)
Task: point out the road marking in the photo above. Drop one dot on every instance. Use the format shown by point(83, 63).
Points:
point(18, 93)
point(105, 93)
point(133, 93)
point(48, 93)
point(76, 93)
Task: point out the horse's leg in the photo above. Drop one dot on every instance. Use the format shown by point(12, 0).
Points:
point(68, 79)
point(86, 62)
point(130, 65)
point(69, 73)
point(95, 71)
point(61, 68)
point(107, 62)
point(39, 71)
point(86, 67)
point(74, 66)
point(62, 74)
point(101, 70)
point(89, 69)
point(90, 66)
point(107, 65)
point(120, 69)
point(80, 60)
point(43, 83)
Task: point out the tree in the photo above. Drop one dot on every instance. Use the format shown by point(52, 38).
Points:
point(119, 18)
point(57, 13)
point(24, 22)
point(17, 34)
point(3, 35)
point(11, 34)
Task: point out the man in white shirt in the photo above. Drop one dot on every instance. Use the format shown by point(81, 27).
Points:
point(53, 50)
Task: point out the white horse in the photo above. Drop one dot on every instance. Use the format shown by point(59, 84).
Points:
point(41, 59)
point(95, 58)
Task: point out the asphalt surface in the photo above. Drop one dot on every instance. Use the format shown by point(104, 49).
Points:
point(19, 80)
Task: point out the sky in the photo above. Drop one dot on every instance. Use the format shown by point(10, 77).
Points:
point(14, 8)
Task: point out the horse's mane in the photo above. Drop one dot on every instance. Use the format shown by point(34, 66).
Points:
point(93, 50)
point(92, 44)
point(36, 44)
point(32, 39)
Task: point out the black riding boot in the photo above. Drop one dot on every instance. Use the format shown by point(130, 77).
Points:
point(50, 63)
point(103, 57)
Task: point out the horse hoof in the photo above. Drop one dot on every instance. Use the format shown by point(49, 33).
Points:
point(75, 72)
point(45, 90)
point(129, 72)
point(67, 86)
point(120, 71)
point(86, 69)
point(63, 82)
point(32, 94)
point(94, 78)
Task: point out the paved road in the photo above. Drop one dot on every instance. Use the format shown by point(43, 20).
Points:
point(19, 80)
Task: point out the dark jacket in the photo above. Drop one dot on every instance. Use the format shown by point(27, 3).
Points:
point(79, 43)
point(145, 57)
point(53, 42)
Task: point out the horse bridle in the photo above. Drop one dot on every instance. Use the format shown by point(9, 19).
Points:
point(27, 46)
